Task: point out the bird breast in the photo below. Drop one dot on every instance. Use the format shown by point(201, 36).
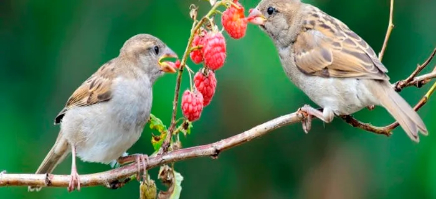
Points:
point(102, 132)
point(132, 102)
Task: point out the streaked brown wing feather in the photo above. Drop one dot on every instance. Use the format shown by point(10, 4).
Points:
point(95, 89)
point(328, 48)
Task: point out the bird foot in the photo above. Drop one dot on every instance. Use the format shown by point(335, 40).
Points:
point(307, 112)
point(306, 121)
point(372, 107)
point(141, 160)
point(74, 181)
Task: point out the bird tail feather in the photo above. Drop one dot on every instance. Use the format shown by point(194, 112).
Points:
point(56, 154)
point(408, 119)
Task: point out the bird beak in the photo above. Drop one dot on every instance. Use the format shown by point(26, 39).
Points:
point(167, 66)
point(256, 17)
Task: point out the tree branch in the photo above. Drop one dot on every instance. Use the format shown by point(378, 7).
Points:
point(108, 177)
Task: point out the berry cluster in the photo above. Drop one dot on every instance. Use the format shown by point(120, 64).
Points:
point(209, 46)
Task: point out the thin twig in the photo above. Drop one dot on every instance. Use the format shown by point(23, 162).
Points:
point(388, 32)
point(365, 126)
point(421, 80)
point(401, 84)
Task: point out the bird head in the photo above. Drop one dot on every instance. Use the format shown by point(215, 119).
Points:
point(150, 53)
point(275, 17)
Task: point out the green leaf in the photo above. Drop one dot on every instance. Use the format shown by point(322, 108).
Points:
point(190, 126)
point(157, 141)
point(178, 186)
point(157, 124)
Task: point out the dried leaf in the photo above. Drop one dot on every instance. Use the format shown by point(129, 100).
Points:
point(173, 180)
point(186, 128)
point(210, 24)
point(193, 11)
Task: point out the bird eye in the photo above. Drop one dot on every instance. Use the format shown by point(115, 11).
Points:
point(156, 50)
point(270, 10)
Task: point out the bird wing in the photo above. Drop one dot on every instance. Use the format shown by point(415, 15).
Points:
point(327, 47)
point(95, 89)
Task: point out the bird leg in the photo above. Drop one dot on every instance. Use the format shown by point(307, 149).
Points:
point(74, 176)
point(140, 159)
point(308, 112)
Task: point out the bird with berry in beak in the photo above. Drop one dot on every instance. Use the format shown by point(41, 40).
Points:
point(106, 115)
point(331, 64)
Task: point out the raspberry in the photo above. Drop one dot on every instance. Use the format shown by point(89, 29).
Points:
point(192, 105)
point(214, 50)
point(205, 82)
point(197, 55)
point(234, 21)
point(177, 64)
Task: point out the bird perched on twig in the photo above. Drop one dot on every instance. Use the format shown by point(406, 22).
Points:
point(336, 68)
point(105, 116)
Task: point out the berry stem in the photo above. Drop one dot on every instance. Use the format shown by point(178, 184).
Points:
point(230, 3)
point(195, 48)
point(190, 81)
point(195, 28)
point(218, 12)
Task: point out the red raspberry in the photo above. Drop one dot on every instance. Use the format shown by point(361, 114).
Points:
point(177, 64)
point(205, 82)
point(234, 21)
point(197, 55)
point(214, 49)
point(192, 105)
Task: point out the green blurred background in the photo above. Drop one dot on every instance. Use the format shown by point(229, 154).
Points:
point(48, 48)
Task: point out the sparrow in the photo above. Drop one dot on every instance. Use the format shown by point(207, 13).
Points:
point(105, 116)
point(330, 63)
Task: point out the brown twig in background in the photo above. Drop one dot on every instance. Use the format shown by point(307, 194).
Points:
point(401, 84)
point(389, 31)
